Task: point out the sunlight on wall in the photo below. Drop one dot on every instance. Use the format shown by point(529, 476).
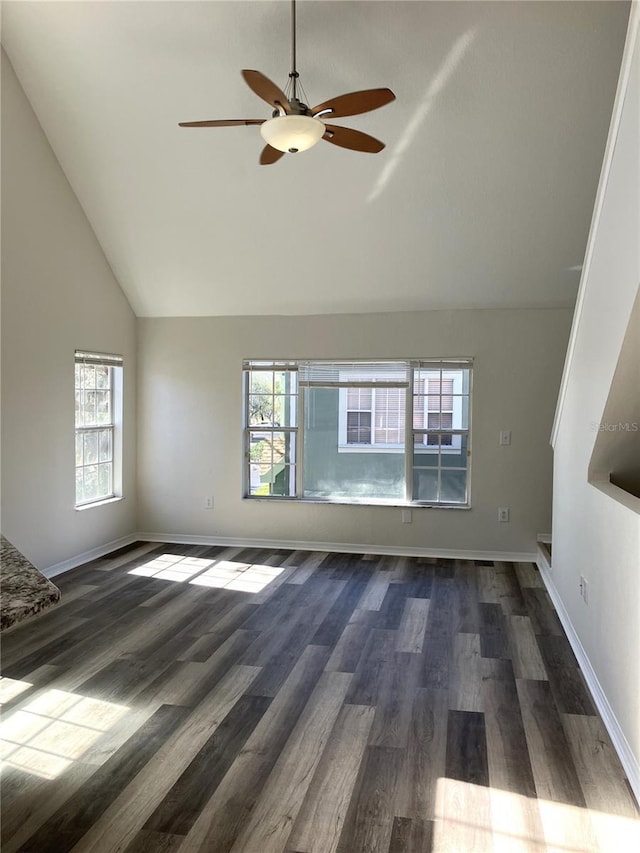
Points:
point(473, 817)
point(221, 574)
point(53, 730)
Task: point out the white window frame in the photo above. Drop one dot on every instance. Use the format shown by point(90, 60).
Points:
point(451, 368)
point(264, 429)
point(114, 364)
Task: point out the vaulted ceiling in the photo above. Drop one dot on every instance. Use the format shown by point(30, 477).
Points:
point(482, 197)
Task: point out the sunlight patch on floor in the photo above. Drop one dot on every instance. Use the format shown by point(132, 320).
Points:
point(172, 567)
point(11, 687)
point(238, 576)
point(53, 730)
point(473, 817)
point(219, 574)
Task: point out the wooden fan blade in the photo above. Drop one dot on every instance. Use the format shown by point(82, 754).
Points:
point(355, 103)
point(346, 137)
point(224, 122)
point(265, 89)
point(270, 155)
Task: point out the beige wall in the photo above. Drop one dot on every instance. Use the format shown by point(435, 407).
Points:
point(596, 528)
point(189, 417)
point(58, 294)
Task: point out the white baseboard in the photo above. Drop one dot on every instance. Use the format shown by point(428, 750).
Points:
point(340, 547)
point(87, 556)
point(628, 759)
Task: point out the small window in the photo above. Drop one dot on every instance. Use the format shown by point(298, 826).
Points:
point(98, 419)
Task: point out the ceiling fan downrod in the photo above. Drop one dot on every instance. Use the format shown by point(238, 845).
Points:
point(293, 74)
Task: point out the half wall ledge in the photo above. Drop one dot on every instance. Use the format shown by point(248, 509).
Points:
point(24, 590)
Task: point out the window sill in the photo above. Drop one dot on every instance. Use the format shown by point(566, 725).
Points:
point(104, 502)
point(345, 502)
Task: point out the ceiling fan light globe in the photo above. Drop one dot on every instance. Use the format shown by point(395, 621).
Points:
point(293, 132)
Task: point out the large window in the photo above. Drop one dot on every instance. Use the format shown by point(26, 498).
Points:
point(98, 393)
point(361, 432)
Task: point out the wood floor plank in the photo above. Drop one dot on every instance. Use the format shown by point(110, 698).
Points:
point(394, 701)
point(544, 618)
point(467, 591)
point(464, 821)
point(154, 842)
point(369, 821)
point(507, 751)
point(494, 642)
point(332, 626)
point(392, 607)
point(307, 567)
point(528, 576)
point(465, 685)
point(516, 823)
point(411, 835)
point(527, 662)
point(374, 593)
point(276, 810)
point(321, 818)
point(413, 626)
point(466, 756)
point(598, 767)
point(567, 683)
point(370, 672)
point(424, 757)
point(551, 759)
point(349, 648)
point(437, 660)
point(510, 595)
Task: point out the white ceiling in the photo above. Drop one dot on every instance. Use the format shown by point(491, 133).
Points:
point(482, 198)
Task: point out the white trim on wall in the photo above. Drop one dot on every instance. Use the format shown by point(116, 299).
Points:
point(285, 545)
point(613, 727)
point(614, 127)
point(339, 547)
point(88, 556)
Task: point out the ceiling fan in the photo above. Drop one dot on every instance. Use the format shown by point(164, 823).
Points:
point(294, 126)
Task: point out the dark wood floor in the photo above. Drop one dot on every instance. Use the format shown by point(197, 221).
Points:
point(201, 699)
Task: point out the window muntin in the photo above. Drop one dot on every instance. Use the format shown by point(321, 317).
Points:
point(96, 380)
point(271, 412)
point(333, 415)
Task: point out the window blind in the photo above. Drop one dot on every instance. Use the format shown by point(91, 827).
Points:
point(354, 374)
point(87, 357)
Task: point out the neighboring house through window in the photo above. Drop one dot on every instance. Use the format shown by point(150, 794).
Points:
point(98, 427)
point(363, 432)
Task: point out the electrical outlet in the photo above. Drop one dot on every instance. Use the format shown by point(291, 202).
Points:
point(208, 503)
point(505, 437)
point(406, 516)
point(584, 589)
point(503, 513)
